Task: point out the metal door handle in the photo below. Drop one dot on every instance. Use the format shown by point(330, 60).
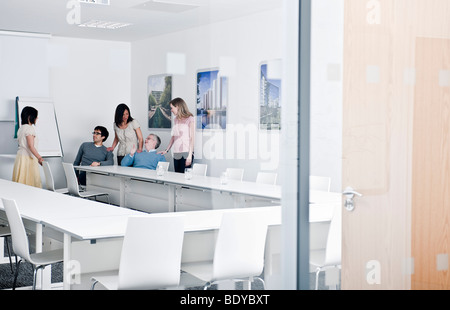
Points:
point(350, 194)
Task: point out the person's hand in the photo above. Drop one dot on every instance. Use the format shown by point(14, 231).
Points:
point(95, 164)
point(133, 150)
point(139, 151)
point(110, 149)
point(40, 160)
point(163, 152)
point(189, 160)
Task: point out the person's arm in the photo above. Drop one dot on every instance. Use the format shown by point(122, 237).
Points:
point(128, 160)
point(140, 139)
point(168, 147)
point(113, 146)
point(30, 142)
point(191, 143)
point(109, 160)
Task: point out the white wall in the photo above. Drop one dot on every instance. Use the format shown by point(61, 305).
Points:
point(244, 43)
point(23, 71)
point(88, 79)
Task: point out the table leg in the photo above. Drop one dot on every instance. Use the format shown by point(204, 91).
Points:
point(172, 198)
point(43, 279)
point(239, 201)
point(67, 275)
point(122, 192)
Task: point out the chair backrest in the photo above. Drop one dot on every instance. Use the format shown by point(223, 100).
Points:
point(319, 183)
point(49, 182)
point(199, 169)
point(334, 239)
point(71, 178)
point(240, 245)
point(18, 233)
point(165, 164)
point(266, 178)
point(151, 252)
point(235, 174)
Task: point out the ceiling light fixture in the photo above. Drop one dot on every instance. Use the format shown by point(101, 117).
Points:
point(104, 2)
point(103, 24)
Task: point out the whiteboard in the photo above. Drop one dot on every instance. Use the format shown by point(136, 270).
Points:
point(49, 142)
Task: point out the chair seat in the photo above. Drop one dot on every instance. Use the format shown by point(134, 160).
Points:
point(62, 190)
point(201, 270)
point(47, 258)
point(86, 194)
point(110, 282)
point(317, 258)
point(5, 231)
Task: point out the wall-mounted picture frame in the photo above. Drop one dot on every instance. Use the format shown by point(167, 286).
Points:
point(269, 100)
point(212, 99)
point(159, 95)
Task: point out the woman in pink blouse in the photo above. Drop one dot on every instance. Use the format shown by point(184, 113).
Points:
point(183, 131)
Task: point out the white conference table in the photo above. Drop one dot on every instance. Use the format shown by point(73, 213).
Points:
point(142, 189)
point(199, 182)
point(84, 224)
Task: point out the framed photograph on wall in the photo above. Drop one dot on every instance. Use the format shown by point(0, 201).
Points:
point(212, 99)
point(159, 94)
point(269, 100)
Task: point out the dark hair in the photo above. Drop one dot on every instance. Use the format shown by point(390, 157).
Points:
point(158, 140)
point(118, 117)
point(104, 132)
point(28, 115)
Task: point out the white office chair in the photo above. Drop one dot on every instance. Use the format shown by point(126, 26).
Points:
point(50, 184)
point(72, 184)
point(165, 164)
point(266, 178)
point(330, 257)
point(239, 250)
point(319, 183)
point(199, 169)
point(21, 246)
point(5, 232)
point(235, 173)
point(151, 255)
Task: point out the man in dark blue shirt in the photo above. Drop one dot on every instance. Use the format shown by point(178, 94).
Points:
point(94, 153)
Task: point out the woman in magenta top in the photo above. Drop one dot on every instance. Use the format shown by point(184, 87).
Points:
point(183, 131)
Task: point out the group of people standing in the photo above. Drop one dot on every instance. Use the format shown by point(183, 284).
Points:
point(132, 149)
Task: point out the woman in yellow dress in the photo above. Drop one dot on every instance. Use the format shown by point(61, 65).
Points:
point(26, 165)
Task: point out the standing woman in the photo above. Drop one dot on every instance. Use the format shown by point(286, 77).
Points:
point(26, 165)
point(183, 133)
point(128, 133)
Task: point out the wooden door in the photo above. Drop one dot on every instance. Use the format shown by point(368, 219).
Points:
point(396, 146)
point(431, 165)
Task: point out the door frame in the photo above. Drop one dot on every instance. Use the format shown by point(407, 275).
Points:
point(296, 145)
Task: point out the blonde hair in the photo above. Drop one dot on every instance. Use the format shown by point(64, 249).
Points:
point(183, 111)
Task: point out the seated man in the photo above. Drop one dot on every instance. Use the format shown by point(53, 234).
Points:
point(148, 158)
point(93, 153)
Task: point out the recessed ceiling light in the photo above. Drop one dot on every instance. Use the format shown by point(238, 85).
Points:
point(103, 24)
point(104, 2)
point(166, 6)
